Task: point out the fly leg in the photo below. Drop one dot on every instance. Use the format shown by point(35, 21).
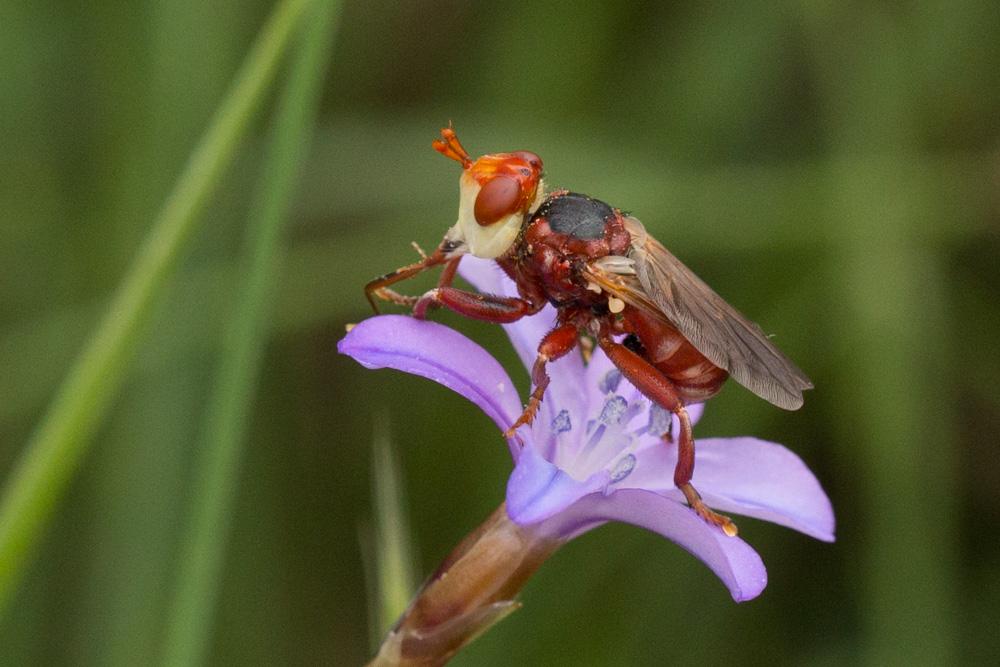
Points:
point(380, 286)
point(446, 278)
point(486, 307)
point(657, 387)
point(555, 344)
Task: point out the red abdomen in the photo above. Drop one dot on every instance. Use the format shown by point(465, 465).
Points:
point(696, 378)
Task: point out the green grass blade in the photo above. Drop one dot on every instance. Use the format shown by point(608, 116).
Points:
point(61, 440)
point(189, 625)
point(393, 556)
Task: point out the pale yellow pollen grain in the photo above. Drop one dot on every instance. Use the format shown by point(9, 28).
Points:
point(593, 287)
point(615, 305)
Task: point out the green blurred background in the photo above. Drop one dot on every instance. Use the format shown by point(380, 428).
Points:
point(832, 169)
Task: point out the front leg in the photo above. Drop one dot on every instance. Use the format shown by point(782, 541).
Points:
point(446, 279)
point(486, 307)
point(380, 286)
point(443, 254)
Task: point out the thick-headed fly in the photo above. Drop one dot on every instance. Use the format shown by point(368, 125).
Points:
point(612, 284)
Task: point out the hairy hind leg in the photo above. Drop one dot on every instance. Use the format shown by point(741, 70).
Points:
point(657, 387)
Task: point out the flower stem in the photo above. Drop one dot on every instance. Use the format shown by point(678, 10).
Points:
point(58, 445)
point(473, 589)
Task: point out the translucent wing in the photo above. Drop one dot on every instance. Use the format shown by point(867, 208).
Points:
point(657, 281)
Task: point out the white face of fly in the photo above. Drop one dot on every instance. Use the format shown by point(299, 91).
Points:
point(489, 241)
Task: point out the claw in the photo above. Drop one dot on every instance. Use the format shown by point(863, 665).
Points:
point(526, 418)
point(510, 435)
point(695, 502)
point(723, 522)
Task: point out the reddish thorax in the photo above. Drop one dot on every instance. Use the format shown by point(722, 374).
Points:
point(546, 264)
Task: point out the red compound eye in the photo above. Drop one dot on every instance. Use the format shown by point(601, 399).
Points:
point(497, 198)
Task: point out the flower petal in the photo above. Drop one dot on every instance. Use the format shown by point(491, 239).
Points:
point(525, 335)
point(730, 558)
point(763, 480)
point(747, 476)
point(439, 353)
point(486, 276)
point(695, 412)
point(538, 490)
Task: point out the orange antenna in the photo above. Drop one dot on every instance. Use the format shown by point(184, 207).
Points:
point(449, 146)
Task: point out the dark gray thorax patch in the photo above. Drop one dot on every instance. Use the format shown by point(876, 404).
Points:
point(576, 215)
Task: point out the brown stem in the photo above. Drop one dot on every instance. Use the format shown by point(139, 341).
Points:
point(473, 588)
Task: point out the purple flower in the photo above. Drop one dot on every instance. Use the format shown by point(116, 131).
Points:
point(594, 453)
